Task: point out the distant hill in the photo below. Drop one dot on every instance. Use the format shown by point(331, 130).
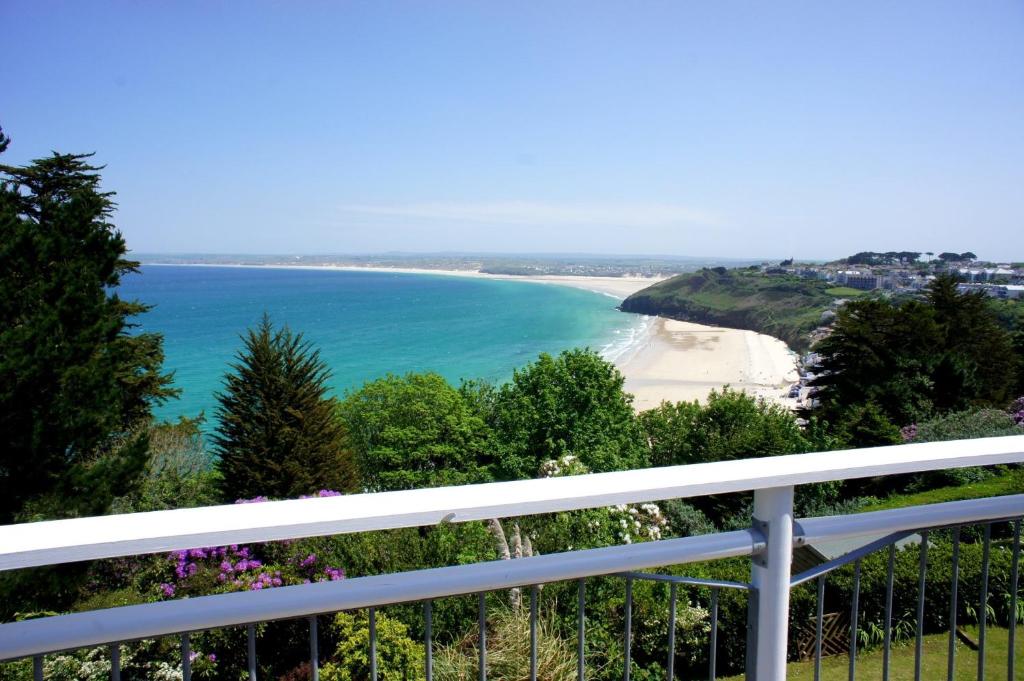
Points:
point(783, 306)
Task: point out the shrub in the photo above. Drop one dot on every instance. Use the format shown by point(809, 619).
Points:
point(399, 658)
point(508, 651)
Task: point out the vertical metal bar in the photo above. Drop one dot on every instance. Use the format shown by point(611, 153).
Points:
point(251, 635)
point(1014, 573)
point(627, 639)
point(983, 610)
point(887, 642)
point(482, 624)
point(670, 666)
point(713, 655)
point(581, 642)
point(37, 668)
point(953, 584)
point(817, 628)
point(373, 644)
point(428, 638)
point(314, 649)
point(533, 633)
point(922, 575)
point(186, 658)
point(115, 662)
point(854, 616)
point(773, 515)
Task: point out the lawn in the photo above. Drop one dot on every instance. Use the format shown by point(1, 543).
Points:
point(1005, 482)
point(933, 661)
point(845, 292)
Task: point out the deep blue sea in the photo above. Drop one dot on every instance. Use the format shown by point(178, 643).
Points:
point(367, 324)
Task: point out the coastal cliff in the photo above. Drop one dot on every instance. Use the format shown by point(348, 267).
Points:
point(786, 307)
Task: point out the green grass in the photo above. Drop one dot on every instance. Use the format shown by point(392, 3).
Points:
point(1007, 482)
point(845, 292)
point(933, 661)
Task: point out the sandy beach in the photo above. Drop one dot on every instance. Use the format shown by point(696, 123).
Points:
point(684, 361)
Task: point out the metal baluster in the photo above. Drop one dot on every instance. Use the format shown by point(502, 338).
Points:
point(887, 643)
point(1013, 600)
point(314, 649)
point(251, 634)
point(428, 638)
point(817, 627)
point(581, 617)
point(854, 614)
point(373, 644)
point(115, 662)
point(713, 661)
point(186, 658)
point(922, 575)
point(983, 610)
point(37, 668)
point(628, 634)
point(533, 633)
point(670, 669)
point(954, 583)
point(482, 624)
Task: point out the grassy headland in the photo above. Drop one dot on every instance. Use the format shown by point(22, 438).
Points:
point(783, 306)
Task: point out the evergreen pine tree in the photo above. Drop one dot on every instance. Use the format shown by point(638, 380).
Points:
point(76, 385)
point(278, 434)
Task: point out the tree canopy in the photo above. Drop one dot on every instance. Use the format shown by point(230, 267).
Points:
point(76, 382)
point(917, 358)
point(415, 431)
point(277, 434)
point(569, 404)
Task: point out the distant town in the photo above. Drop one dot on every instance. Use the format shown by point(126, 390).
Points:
point(907, 272)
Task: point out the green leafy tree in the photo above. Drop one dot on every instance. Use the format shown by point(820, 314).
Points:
point(278, 435)
point(76, 382)
point(415, 431)
point(572, 404)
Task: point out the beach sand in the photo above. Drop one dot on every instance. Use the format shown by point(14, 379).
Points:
point(685, 361)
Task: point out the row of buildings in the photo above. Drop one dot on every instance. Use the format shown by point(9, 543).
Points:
point(999, 281)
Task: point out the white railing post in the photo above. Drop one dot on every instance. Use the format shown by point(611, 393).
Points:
point(769, 577)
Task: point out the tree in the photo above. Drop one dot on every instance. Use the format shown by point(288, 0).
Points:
point(570, 404)
point(278, 435)
point(916, 359)
point(415, 431)
point(76, 382)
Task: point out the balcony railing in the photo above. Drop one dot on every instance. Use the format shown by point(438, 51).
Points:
point(769, 542)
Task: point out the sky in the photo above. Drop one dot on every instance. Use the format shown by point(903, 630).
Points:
point(730, 129)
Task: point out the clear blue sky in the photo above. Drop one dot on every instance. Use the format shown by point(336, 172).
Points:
point(812, 129)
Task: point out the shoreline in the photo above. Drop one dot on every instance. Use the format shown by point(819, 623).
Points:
point(668, 360)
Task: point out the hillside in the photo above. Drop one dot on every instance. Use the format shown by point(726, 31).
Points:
point(783, 306)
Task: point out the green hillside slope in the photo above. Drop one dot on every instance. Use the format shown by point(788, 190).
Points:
point(786, 307)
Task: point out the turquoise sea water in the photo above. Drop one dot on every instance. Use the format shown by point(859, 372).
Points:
point(367, 324)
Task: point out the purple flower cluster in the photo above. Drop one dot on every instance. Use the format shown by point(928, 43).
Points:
point(321, 493)
point(1017, 411)
point(909, 432)
point(254, 500)
point(307, 567)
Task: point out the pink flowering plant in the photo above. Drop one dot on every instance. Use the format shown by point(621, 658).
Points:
point(216, 569)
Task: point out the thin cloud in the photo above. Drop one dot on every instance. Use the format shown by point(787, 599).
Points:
point(534, 213)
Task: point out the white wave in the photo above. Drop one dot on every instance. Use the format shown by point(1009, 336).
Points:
point(629, 341)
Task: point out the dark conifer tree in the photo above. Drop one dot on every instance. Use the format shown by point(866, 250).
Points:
point(278, 434)
point(75, 385)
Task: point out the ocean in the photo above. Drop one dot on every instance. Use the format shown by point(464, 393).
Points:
point(367, 323)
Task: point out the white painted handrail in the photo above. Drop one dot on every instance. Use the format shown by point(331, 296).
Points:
point(79, 630)
point(62, 541)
